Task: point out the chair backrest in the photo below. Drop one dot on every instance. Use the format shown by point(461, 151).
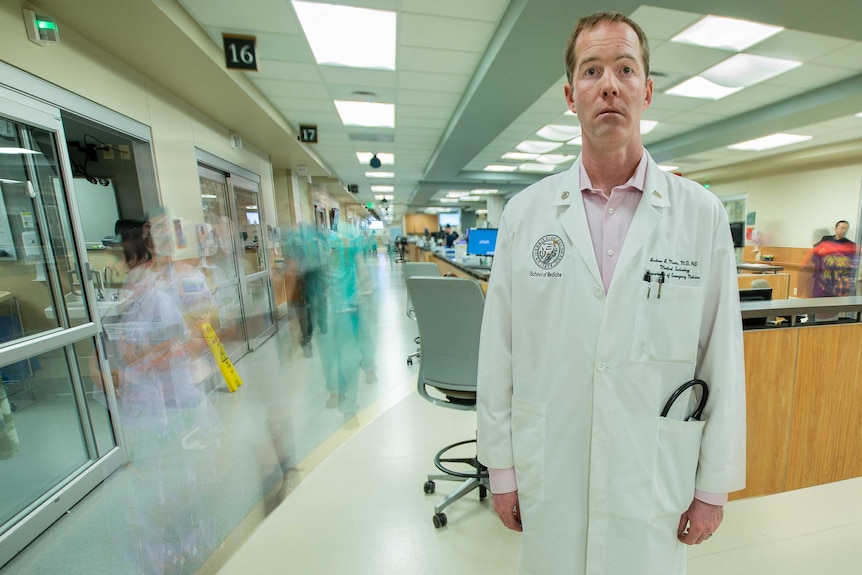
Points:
point(416, 269)
point(760, 283)
point(449, 317)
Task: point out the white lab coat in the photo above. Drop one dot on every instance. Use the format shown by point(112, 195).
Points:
point(572, 380)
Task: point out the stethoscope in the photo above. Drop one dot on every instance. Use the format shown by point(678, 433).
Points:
point(698, 413)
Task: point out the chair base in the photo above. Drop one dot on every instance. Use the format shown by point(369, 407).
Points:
point(470, 481)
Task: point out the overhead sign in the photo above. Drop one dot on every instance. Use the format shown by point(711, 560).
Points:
point(308, 133)
point(239, 52)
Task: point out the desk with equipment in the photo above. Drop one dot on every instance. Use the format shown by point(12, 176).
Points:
point(801, 376)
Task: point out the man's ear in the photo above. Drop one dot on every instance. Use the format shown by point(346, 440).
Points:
point(648, 99)
point(570, 97)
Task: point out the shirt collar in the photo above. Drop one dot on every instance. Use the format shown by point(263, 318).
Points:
point(637, 181)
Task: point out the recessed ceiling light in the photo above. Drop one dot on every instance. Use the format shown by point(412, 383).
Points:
point(536, 147)
point(648, 126)
point(539, 168)
point(382, 188)
point(859, 115)
point(469, 198)
point(668, 168)
point(519, 156)
point(369, 114)
point(559, 133)
point(348, 36)
point(500, 168)
point(726, 33)
point(449, 200)
point(387, 197)
point(384, 157)
point(555, 158)
point(747, 70)
point(702, 88)
point(483, 192)
point(456, 194)
point(204, 196)
point(769, 142)
point(379, 174)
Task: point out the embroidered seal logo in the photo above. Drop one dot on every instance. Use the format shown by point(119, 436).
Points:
point(548, 251)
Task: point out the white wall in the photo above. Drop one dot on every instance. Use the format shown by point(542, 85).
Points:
point(794, 208)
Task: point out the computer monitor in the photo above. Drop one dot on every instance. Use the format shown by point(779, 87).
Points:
point(737, 232)
point(755, 294)
point(481, 241)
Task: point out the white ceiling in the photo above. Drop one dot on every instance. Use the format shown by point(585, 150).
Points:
point(474, 78)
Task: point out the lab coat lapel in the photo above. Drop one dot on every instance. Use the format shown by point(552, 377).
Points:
point(646, 218)
point(574, 219)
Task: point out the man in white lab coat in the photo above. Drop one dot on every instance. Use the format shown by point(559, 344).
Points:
point(613, 284)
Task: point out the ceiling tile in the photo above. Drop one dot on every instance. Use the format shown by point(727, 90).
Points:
point(443, 33)
point(808, 76)
point(487, 10)
point(260, 16)
point(288, 48)
point(358, 77)
point(685, 59)
point(277, 70)
point(432, 82)
point(444, 61)
point(292, 89)
point(403, 111)
point(795, 45)
point(846, 57)
point(663, 23)
point(304, 104)
point(423, 98)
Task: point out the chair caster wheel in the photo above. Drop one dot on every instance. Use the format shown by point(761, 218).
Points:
point(483, 493)
point(429, 487)
point(409, 362)
point(440, 520)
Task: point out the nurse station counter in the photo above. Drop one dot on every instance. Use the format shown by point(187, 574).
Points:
point(803, 384)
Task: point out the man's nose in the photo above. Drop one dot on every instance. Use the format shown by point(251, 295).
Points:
point(609, 85)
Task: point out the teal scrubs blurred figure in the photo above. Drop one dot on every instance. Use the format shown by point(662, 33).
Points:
point(349, 346)
point(309, 248)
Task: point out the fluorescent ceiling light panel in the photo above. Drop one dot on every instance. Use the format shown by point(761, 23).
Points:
point(555, 158)
point(747, 70)
point(538, 168)
point(456, 194)
point(769, 142)
point(648, 126)
point(726, 33)
point(386, 158)
point(386, 197)
point(702, 88)
point(668, 168)
point(379, 174)
point(482, 192)
point(500, 168)
point(519, 156)
point(382, 188)
point(469, 198)
point(536, 147)
point(579, 141)
point(369, 114)
point(449, 200)
point(859, 115)
point(204, 196)
point(18, 151)
point(348, 36)
point(559, 133)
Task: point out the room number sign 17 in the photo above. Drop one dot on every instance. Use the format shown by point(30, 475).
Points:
point(239, 52)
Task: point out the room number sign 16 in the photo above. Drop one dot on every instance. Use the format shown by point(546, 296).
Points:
point(239, 52)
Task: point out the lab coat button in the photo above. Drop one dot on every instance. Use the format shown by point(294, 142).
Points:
point(610, 253)
point(610, 211)
point(601, 366)
point(599, 292)
point(564, 195)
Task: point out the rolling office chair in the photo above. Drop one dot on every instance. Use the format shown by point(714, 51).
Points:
point(413, 269)
point(449, 314)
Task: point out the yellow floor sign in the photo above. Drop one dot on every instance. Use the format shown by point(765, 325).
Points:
point(227, 369)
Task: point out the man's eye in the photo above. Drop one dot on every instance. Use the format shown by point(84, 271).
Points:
point(591, 72)
point(627, 70)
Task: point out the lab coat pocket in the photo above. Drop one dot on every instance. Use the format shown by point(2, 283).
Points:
point(528, 447)
point(677, 455)
point(667, 328)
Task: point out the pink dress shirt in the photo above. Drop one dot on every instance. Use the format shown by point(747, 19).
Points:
point(609, 218)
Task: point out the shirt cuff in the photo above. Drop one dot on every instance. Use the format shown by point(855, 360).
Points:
point(710, 498)
point(502, 480)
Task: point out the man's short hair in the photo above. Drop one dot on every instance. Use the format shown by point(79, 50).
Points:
point(590, 22)
point(842, 222)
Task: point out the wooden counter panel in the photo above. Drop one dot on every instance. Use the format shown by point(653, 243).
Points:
point(826, 432)
point(769, 377)
point(780, 283)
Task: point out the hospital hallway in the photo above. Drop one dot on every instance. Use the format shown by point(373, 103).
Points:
point(297, 486)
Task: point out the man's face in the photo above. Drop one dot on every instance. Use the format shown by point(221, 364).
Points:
point(609, 90)
point(841, 231)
